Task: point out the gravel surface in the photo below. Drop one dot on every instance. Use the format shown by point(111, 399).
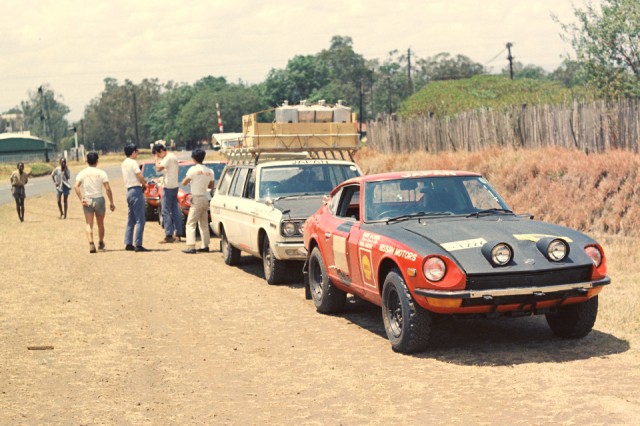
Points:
point(167, 338)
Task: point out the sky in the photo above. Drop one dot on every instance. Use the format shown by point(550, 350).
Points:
point(73, 45)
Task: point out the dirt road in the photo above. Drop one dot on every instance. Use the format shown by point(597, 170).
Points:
point(168, 338)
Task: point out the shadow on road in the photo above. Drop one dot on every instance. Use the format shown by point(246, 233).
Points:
point(494, 342)
point(252, 265)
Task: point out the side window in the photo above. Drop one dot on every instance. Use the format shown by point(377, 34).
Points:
point(349, 205)
point(250, 190)
point(223, 186)
point(333, 204)
point(237, 185)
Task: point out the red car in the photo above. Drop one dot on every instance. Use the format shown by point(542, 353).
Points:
point(422, 244)
point(151, 193)
point(184, 192)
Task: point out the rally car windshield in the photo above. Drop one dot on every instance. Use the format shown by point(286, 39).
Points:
point(303, 179)
point(431, 197)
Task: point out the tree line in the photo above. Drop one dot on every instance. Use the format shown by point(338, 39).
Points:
point(606, 63)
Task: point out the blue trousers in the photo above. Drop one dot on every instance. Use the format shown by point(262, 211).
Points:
point(171, 212)
point(135, 220)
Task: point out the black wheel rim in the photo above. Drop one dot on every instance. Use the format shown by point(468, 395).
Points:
point(315, 280)
point(394, 312)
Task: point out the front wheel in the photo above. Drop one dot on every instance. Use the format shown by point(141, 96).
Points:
point(230, 254)
point(274, 269)
point(407, 324)
point(574, 321)
point(326, 297)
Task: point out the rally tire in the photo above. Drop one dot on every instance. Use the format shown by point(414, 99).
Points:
point(230, 254)
point(574, 321)
point(275, 271)
point(407, 325)
point(327, 298)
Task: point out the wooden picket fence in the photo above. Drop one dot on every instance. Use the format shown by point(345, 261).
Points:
point(590, 127)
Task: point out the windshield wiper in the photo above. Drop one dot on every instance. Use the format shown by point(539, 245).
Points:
point(282, 197)
point(417, 214)
point(489, 212)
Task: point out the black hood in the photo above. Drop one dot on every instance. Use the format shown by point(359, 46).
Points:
point(462, 239)
point(299, 207)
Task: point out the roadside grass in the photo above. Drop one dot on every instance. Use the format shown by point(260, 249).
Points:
point(32, 169)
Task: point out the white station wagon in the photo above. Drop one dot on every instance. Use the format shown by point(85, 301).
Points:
point(260, 207)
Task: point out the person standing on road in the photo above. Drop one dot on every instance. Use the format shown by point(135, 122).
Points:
point(88, 187)
point(18, 181)
point(201, 180)
point(167, 163)
point(135, 184)
point(61, 176)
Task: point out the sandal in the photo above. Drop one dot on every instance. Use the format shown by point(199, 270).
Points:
point(92, 248)
point(101, 245)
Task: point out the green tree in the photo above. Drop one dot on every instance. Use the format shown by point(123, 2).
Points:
point(444, 66)
point(570, 73)
point(302, 77)
point(531, 71)
point(606, 41)
point(117, 116)
point(161, 121)
point(44, 115)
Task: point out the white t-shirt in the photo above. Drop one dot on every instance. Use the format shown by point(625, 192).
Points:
point(129, 170)
point(170, 164)
point(92, 180)
point(200, 177)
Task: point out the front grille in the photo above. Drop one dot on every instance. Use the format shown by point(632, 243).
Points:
point(529, 279)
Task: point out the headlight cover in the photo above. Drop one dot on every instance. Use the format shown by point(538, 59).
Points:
point(501, 254)
point(434, 269)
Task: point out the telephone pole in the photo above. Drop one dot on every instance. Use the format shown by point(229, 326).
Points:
point(409, 71)
point(135, 115)
point(510, 58)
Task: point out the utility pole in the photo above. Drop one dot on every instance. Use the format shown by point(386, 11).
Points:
point(43, 121)
point(409, 71)
point(361, 115)
point(75, 137)
point(510, 58)
point(135, 115)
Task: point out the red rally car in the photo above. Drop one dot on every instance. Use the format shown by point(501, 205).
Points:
point(420, 244)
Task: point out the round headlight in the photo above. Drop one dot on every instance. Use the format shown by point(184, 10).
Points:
point(289, 229)
point(434, 269)
point(301, 228)
point(557, 250)
point(594, 254)
point(501, 254)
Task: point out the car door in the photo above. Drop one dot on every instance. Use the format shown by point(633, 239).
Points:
point(218, 205)
point(339, 226)
point(231, 205)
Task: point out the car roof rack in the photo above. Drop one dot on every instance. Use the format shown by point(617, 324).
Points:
point(255, 155)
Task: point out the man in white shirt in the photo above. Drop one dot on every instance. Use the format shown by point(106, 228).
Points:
point(201, 180)
point(135, 184)
point(167, 163)
point(88, 188)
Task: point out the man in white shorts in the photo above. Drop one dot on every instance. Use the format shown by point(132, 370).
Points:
point(88, 188)
point(201, 180)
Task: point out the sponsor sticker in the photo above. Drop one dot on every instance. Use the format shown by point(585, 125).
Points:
point(464, 244)
point(368, 240)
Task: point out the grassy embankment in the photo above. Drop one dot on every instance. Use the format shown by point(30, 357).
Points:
point(598, 194)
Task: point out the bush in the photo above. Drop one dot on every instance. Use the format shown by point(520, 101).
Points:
point(39, 169)
point(444, 98)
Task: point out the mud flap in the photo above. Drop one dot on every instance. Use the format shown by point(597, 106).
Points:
point(305, 279)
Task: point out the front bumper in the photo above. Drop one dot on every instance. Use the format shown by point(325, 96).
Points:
point(290, 251)
point(488, 294)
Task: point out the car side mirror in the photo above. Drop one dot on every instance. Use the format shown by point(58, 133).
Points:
point(325, 199)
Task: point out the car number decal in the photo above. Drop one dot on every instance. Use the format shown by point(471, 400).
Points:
point(464, 244)
point(537, 237)
point(339, 245)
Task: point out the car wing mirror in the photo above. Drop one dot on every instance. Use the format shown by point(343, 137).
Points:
point(325, 199)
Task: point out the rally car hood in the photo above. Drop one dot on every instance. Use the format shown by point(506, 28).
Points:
point(462, 239)
point(300, 207)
